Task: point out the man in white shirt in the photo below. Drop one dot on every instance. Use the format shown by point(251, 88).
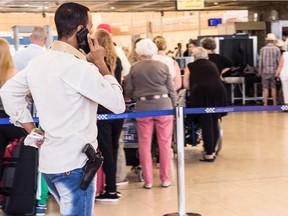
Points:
point(38, 40)
point(67, 87)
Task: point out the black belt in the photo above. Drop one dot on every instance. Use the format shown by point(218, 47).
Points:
point(153, 97)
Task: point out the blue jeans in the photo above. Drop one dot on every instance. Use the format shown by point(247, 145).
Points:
point(72, 200)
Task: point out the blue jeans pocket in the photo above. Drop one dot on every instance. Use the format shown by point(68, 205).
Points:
point(72, 200)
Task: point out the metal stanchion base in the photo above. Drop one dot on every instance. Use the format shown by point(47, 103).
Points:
point(177, 214)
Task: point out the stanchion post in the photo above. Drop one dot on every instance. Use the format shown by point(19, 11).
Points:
point(180, 161)
point(180, 165)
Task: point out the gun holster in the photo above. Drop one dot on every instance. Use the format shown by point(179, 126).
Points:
point(91, 167)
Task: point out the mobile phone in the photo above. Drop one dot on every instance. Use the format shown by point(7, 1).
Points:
point(82, 40)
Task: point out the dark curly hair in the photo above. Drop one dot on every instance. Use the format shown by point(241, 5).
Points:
point(68, 17)
point(208, 43)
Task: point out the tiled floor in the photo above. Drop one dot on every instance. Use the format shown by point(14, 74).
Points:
point(249, 177)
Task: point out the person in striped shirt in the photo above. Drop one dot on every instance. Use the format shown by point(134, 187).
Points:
point(269, 58)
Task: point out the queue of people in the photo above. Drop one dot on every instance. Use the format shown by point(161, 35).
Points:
point(86, 84)
point(143, 71)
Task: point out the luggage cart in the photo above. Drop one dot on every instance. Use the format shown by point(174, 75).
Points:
point(129, 137)
point(193, 135)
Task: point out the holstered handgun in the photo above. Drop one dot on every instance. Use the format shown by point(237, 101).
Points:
point(91, 167)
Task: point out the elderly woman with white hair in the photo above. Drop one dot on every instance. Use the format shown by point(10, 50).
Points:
point(201, 77)
point(149, 82)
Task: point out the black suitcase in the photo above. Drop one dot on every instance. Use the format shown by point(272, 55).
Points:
point(19, 180)
point(132, 156)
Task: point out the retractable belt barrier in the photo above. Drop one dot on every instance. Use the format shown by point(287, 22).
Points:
point(185, 111)
point(193, 111)
point(179, 113)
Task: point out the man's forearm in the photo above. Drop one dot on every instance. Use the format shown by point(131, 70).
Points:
point(103, 69)
point(29, 126)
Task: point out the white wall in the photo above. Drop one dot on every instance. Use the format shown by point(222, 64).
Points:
point(172, 38)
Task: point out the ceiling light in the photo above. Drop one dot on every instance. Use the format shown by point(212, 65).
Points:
point(112, 8)
point(215, 3)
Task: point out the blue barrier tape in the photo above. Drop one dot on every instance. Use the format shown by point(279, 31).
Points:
point(135, 114)
point(186, 111)
point(5, 121)
point(234, 109)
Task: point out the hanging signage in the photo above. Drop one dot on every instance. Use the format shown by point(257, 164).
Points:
point(189, 4)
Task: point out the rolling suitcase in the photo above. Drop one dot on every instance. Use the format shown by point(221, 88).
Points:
point(19, 179)
point(130, 138)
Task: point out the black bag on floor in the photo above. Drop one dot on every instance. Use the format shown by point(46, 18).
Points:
point(132, 156)
point(19, 179)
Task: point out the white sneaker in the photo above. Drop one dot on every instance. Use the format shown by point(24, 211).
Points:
point(165, 184)
point(123, 182)
point(147, 186)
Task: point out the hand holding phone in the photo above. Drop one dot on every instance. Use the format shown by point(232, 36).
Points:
point(94, 52)
point(82, 40)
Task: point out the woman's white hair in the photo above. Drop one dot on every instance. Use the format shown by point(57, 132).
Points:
point(146, 47)
point(200, 53)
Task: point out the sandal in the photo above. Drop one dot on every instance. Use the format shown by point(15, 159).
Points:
point(204, 159)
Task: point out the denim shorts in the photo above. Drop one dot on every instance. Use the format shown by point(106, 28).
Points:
point(72, 200)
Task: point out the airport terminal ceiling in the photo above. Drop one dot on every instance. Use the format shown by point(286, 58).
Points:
point(49, 6)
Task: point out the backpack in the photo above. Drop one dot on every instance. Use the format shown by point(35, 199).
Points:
point(6, 173)
point(18, 178)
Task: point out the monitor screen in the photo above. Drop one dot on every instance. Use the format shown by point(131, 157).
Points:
point(214, 21)
point(239, 50)
point(183, 61)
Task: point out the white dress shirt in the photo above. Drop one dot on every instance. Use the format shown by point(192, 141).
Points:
point(285, 45)
point(23, 56)
point(168, 61)
point(66, 90)
point(124, 61)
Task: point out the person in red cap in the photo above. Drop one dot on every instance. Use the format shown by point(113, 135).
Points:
point(124, 61)
point(121, 161)
point(106, 27)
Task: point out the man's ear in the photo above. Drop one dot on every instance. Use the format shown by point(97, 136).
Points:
point(79, 28)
